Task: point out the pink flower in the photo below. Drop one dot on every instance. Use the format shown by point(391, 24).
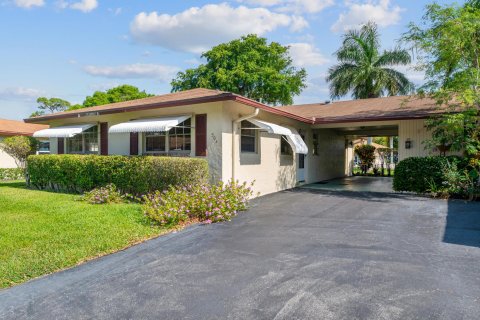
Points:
point(207, 221)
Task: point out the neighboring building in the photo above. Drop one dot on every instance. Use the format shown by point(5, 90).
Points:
point(379, 160)
point(10, 128)
point(242, 139)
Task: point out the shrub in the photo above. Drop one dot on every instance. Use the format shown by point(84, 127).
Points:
point(366, 153)
point(418, 174)
point(19, 148)
point(134, 175)
point(207, 203)
point(11, 174)
point(107, 194)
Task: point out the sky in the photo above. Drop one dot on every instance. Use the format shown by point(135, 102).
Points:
point(71, 48)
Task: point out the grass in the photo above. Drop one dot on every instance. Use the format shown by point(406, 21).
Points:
point(42, 232)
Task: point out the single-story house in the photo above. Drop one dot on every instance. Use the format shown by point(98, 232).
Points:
point(278, 147)
point(9, 128)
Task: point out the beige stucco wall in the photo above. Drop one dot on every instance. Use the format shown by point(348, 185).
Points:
point(6, 161)
point(415, 131)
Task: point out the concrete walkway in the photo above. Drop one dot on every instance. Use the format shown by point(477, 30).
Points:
point(295, 255)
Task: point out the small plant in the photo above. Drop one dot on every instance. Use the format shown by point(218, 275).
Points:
point(366, 153)
point(204, 202)
point(107, 194)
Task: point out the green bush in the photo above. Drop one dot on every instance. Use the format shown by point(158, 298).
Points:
point(207, 203)
point(418, 174)
point(11, 174)
point(135, 175)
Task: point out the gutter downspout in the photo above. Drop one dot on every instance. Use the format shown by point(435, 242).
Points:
point(234, 133)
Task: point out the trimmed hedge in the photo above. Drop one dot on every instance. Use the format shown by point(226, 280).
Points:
point(135, 175)
point(416, 174)
point(7, 174)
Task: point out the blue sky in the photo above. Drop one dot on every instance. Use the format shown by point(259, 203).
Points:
point(70, 48)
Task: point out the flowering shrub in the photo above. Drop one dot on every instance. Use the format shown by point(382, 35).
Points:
point(205, 202)
point(11, 174)
point(107, 194)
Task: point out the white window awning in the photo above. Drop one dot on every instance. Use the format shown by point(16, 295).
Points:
point(148, 125)
point(62, 132)
point(293, 137)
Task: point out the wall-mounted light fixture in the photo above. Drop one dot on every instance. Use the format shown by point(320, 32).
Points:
point(408, 144)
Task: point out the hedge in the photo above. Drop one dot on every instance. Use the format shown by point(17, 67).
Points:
point(135, 175)
point(7, 174)
point(416, 174)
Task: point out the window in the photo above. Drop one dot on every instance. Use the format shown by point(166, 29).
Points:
point(285, 147)
point(177, 139)
point(248, 137)
point(44, 147)
point(85, 142)
point(315, 144)
point(155, 142)
point(180, 137)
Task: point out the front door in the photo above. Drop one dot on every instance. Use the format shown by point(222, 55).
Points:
point(301, 165)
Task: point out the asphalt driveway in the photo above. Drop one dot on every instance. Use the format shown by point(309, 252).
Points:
point(295, 255)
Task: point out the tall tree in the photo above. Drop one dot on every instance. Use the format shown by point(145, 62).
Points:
point(448, 43)
point(52, 104)
point(250, 67)
point(118, 94)
point(365, 71)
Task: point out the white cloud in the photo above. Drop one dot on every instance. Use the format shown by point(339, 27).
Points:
point(198, 29)
point(134, 71)
point(84, 5)
point(20, 93)
point(297, 6)
point(29, 3)
point(305, 54)
point(379, 11)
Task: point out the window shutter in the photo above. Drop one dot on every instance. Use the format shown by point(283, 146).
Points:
point(201, 135)
point(134, 143)
point(60, 145)
point(104, 138)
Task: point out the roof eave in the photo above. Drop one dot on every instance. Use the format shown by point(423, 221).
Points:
point(221, 97)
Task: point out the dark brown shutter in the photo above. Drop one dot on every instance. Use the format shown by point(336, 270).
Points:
point(104, 138)
point(201, 135)
point(60, 145)
point(134, 143)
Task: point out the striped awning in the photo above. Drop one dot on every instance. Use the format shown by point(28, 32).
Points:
point(293, 137)
point(62, 132)
point(148, 125)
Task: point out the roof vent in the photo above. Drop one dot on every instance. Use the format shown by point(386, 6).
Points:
point(328, 101)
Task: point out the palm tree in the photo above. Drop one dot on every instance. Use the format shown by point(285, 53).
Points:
point(364, 70)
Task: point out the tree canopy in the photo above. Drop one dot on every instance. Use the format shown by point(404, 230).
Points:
point(248, 66)
point(118, 94)
point(365, 71)
point(51, 105)
point(448, 44)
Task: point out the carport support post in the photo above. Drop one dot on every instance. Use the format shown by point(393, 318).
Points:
point(390, 141)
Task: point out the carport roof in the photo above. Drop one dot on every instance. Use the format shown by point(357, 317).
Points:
point(388, 108)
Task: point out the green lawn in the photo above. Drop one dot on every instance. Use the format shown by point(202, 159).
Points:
point(42, 232)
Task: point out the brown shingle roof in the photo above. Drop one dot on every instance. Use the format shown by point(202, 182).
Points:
point(18, 128)
point(342, 111)
point(388, 108)
point(194, 96)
